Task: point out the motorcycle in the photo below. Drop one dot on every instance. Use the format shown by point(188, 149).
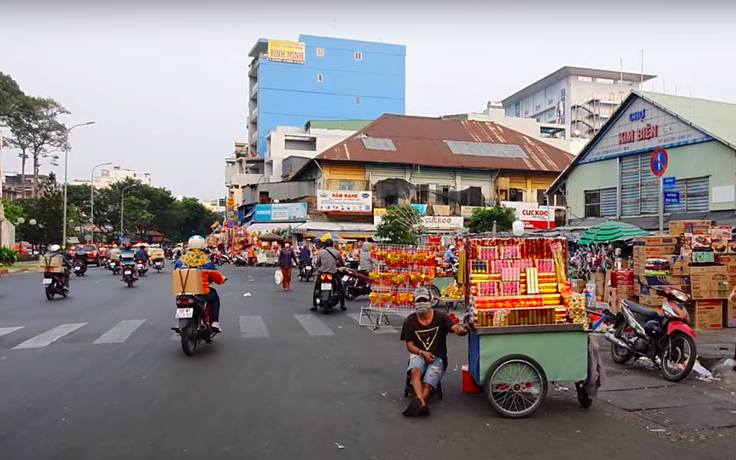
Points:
point(329, 294)
point(355, 284)
point(158, 264)
point(194, 316)
point(129, 274)
point(306, 272)
point(142, 269)
point(665, 339)
point(240, 261)
point(114, 266)
point(352, 263)
point(80, 267)
point(54, 284)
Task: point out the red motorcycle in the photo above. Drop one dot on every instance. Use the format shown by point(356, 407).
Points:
point(665, 339)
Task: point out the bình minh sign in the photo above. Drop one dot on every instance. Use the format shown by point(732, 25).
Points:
point(344, 201)
point(286, 51)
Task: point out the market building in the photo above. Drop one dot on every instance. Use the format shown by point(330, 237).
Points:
point(443, 167)
point(612, 176)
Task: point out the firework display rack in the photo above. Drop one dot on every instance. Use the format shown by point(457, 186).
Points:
point(397, 271)
point(514, 281)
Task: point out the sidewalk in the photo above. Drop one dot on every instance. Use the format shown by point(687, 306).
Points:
point(715, 346)
point(20, 267)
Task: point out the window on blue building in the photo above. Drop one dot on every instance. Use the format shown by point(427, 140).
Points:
point(358, 56)
point(320, 78)
point(320, 52)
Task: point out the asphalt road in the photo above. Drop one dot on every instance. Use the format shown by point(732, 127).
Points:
point(280, 383)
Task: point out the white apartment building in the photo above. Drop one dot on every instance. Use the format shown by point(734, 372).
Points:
point(288, 148)
point(581, 99)
point(551, 133)
point(117, 174)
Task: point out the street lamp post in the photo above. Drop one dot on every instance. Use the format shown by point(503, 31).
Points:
point(20, 222)
point(122, 207)
point(92, 200)
point(66, 170)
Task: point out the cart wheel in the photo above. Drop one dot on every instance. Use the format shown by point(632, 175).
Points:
point(516, 386)
point(436, 295)
point(583, 398)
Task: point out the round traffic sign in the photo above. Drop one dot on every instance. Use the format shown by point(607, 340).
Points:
point(659, 162)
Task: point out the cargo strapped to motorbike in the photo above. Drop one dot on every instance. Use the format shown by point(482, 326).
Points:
point(53, 264)
point(188, 281)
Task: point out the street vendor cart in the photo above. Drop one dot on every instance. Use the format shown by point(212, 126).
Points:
point(530, 329)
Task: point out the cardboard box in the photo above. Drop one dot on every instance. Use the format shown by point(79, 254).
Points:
point(625, 290)
point(657, 241)
point(707, 314)
point(679, 265)
point(187, 281)
point(652, 252)
point(622, 278)
point(701, 294)
point(729, 314)
point(698, 270)
point(678, 227)
point(651, 300)
point(726, 259)
point(677, 281)
point(51, 261)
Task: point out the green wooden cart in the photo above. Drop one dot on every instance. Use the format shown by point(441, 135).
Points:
point(515, 364)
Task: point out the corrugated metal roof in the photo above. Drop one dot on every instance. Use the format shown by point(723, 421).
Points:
point(715, 117)
point(423, 141)
point(486, 150)
point(346, 125)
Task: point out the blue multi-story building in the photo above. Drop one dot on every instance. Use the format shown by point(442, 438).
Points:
point(321, 78)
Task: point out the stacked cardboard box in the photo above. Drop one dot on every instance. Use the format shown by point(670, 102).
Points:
point(707, 314)
point(729, 308)
point(709, 282)
point(680, 227)
point(651, 247)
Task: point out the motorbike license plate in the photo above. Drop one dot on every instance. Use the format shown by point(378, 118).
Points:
point(345, 278)
point(184, 312)
point(308, 267)
point(140, 266)
point(128, 272)
point(326, 286)
point(47, 280)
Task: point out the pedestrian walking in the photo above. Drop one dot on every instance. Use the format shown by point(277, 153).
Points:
point(287, 258)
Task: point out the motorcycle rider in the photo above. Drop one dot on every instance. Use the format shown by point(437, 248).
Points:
point(450, 257)
point(55, 251)
point(329, 260)
point(127, 256)
point(142, 255)
point(366, 262)
point(197, 258)
point(114, 254)
point(305, 255)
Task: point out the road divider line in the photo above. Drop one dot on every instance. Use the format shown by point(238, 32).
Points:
point(8, 330)
point(121, 331)
point(252, 327)
point(314, 325)
point(49, 337)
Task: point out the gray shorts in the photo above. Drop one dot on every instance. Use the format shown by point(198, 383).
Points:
point(431, 373)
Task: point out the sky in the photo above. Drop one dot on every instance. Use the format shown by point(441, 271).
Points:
point(166, 82)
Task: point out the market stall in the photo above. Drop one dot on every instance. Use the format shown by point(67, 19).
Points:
point(530, 328)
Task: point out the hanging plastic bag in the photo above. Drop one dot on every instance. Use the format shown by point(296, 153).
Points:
point(278, 276)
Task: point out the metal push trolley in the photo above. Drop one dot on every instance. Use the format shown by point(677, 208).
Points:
point(529, 327)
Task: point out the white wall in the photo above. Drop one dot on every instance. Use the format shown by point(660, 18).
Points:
point(530, 127)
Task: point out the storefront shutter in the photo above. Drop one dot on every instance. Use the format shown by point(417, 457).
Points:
point(649, 185)
point(630, 186)
point(608, 202)
point(697, 194)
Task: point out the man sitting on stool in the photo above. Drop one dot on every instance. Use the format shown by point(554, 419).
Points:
point(425, 333)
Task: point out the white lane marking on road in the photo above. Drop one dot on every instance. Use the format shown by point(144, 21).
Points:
point(49, 337)
point(252, 327)
point(8, 330)
point(384, 329)
point(121, 331)
point(313, 325)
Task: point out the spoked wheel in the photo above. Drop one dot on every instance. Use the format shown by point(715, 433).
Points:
point(49, 293)
point(189, 339)
point(516, 386)
point(436, 295)
point(583, 398)
point(678, 357)
point(620, 355)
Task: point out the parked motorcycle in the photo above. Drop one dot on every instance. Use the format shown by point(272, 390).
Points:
point(356, 284)
point(665, 339)
point(114, 266)
point(225, 259)
point(142, 269)
point(80, 267)
point(194, 316)
point(328, 294)
point(158, 264)
point(240, 261)
point(54, 284)
point(306, 272)
point(129, 274)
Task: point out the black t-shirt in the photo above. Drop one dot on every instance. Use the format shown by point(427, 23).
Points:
point(431, 338)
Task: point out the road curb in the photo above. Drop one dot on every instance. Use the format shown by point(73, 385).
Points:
point(14, 272)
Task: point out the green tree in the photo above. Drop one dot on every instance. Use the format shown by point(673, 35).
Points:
point(37, 132)
point(483, 218)
point(401, 225)
point(193, 219)
point(9, 93)
point(13, 211)
point(47, 211)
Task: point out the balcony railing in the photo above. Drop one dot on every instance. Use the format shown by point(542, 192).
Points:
point(254, 92)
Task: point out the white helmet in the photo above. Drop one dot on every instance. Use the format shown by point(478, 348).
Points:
point(54, 248)
point(452, 246)
point(196, 242)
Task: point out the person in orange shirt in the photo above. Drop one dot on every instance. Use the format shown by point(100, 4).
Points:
point(196, 258)
point(251, 256)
